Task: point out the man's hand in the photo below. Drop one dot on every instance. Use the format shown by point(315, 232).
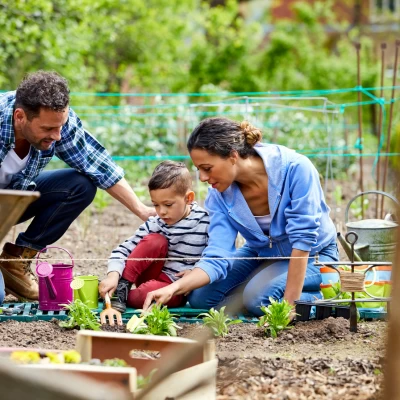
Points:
point(122, 192)
point(109, 284)
point(146, 212)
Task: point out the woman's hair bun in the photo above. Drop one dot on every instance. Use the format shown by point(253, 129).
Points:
point(252, 134)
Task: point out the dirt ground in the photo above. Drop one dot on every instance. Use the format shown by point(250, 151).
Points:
point(313, 360)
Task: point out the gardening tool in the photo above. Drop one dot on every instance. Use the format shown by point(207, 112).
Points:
point(347, 248)
point(54, 282)
point(86, 288)
point(376, 237)
point(110, 313)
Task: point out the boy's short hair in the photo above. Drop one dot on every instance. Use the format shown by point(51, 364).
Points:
point(171, 174)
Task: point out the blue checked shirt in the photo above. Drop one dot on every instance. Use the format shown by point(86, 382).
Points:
point(77, 147)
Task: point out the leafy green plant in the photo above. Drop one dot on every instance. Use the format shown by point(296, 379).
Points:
point(115, 362)
point(342, 295)
point(143, 381)
point(157, 321)
point(218, 321)
point(276, 318)
point(358, 207)
point(80, 315)
point(101, 201)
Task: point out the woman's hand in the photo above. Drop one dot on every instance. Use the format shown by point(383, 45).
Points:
point(190, 281)
point(160, 296)
point(183, 273)
point(109, 284)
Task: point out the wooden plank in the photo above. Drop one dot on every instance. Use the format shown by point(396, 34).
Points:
point(123, 377)
point(35, 384)
point(392, 359)
point(201, 378)
point(13, 203)
point(105, 345)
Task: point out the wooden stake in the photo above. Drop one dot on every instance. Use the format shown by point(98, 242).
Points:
point(385, 171)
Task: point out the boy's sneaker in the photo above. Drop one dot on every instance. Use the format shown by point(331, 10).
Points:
point(118, 301)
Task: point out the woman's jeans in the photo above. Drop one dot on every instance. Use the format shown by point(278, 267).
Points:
point(64, 194)
point(255, 281)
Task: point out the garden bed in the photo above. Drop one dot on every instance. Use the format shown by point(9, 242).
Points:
point(313, 360)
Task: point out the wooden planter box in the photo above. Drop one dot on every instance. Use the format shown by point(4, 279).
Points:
point(139, 351)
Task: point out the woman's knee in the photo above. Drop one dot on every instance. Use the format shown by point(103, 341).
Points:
point(200, 298)
point(256, 295)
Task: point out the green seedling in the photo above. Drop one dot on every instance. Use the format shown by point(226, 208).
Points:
point(115, 362)
point(157, 321)
point(276, 318)
point(136, 325)
point(143, 381)
point(377, 371)
point(218, 321)
point(80, 315)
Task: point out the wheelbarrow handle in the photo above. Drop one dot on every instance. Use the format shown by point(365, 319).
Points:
point(346, 213)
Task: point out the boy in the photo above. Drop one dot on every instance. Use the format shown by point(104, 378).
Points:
point(179, 230)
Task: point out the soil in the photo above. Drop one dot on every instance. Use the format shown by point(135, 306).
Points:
point(312, 360)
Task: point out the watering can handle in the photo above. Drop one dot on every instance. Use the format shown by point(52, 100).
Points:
point(53, 247)
point(50, 287)
point(346, 213)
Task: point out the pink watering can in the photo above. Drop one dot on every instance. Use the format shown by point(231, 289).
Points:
point(54, 282)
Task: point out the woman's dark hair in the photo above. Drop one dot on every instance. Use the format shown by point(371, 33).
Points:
point(171, 174)
point(221, 136)
point(42, 89)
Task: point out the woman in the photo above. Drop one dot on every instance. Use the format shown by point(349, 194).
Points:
point(273, 197)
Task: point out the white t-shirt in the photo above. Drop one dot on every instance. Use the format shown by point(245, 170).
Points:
point(11, 165)
point(264, 221)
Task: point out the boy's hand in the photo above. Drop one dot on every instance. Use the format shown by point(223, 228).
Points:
point(109, 284)
point(183, 273)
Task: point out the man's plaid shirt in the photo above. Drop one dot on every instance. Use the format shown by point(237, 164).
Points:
point(77, 147)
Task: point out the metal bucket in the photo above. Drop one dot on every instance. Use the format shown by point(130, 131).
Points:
point(376, 237)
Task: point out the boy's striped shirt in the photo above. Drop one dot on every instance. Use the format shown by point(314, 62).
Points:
point(187, 238)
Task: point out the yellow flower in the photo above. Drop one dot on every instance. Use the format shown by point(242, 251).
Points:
point(72, 357)
point(25, 357)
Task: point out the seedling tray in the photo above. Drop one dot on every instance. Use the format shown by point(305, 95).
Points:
point(327, 310)
point(184, 314)
point(28, 312)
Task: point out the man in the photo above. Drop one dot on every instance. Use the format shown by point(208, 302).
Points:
point(36, 123)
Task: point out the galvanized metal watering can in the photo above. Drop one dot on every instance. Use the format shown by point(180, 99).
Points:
point(376, 237)
point(54, 282)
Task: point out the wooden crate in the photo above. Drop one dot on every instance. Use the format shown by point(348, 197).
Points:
point(103, 345)
point(195, 380)
point(41, 383)
point(122, 377)
point(198, 372)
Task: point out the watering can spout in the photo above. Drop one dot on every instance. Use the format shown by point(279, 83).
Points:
point(347, 248)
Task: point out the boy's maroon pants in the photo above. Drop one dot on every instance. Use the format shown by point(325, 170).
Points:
point(146, 274)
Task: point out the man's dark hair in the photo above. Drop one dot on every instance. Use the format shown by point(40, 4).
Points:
point(171, 174)
point(42, 89)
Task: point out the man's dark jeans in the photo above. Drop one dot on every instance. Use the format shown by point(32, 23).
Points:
point(64, 194)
